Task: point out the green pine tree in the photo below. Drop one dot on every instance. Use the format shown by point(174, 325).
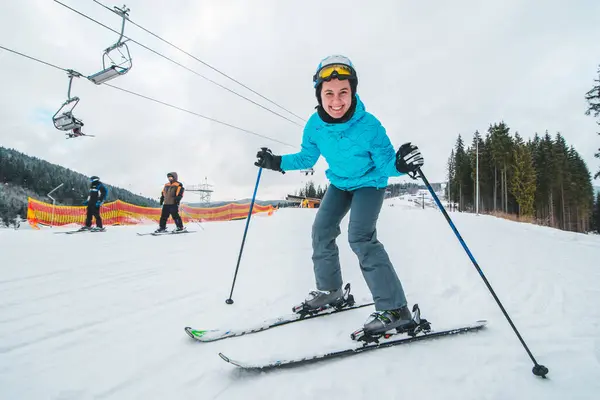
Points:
point(581, 193)
point(451, 174)
point(501, 153)
point(523, 178)
point(462, 187)
point(544, 166)
point(595, 223)
point(310, 190)
point(560, 179)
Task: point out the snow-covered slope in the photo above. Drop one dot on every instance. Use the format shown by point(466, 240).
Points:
point(101, 315)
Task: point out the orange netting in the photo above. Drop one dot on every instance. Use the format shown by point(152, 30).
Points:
point(121, 213)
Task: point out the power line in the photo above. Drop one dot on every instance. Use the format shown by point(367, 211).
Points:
point(179, 64)
point(198, 115)
point(152, 99)
point(34, 59)
point(203, 62)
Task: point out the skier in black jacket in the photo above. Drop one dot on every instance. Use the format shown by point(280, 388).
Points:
point(96, 197)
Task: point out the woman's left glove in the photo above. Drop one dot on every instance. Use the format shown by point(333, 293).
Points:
point(409, 159)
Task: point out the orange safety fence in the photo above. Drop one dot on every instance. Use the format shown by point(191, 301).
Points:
point(122, 213)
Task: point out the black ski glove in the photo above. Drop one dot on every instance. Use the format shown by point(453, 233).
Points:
point(266, 159)
point(409, 159)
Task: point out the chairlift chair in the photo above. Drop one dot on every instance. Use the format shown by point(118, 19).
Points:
point(308, 171)
point(114, 69)
point(66, 121)
point(63, 119)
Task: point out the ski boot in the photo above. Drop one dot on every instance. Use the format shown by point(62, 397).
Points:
point(384, 324)
point(180, 230)
point(161, 230)
point(98, 229)
point(321, 300)
point(85, 228)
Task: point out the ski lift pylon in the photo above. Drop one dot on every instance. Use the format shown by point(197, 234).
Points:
point(64, 119)
point(115, 69)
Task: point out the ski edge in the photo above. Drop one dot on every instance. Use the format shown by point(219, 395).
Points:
point(476, 326)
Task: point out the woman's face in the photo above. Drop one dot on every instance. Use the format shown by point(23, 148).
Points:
point(336, 97)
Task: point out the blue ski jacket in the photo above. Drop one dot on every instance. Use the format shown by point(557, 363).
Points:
point(359, 152)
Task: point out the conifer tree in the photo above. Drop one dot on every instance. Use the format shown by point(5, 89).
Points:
point(523, 178)
point(450, 169)
point(463, 185)
point(595, 223)
point(561, 177)
point(500, 147)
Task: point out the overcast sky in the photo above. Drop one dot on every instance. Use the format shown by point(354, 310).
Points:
point(427, 71)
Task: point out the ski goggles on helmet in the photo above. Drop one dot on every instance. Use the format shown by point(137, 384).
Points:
point(334, 67)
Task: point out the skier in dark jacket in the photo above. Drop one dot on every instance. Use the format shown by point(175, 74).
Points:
point(96, 197)
point(361, 158)
point(170, 199)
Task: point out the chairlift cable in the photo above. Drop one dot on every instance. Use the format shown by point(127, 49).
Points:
point(179, 64)
point(203, 62)
point(75, 73)
point(198, 115)
point(33, 58)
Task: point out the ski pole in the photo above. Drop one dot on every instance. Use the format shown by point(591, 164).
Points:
point(538, 370)
point(230, 300)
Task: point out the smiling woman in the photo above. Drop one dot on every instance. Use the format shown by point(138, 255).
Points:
point(336, 99)
point(361, 159)
point(336, 83)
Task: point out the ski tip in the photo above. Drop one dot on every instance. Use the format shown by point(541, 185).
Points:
point(188, 330)
point(224, 357)
point(205, 335)
point(193, 333)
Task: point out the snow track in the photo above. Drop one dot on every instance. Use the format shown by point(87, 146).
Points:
point(102, 316)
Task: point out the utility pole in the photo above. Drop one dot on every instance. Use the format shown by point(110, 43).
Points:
point(477, 173)
point(53, 203)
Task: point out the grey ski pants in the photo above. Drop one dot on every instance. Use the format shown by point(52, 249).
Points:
point(364, 205)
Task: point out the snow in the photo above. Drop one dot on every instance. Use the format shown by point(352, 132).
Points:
point(101, 315)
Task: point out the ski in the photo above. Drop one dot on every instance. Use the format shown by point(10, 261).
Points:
point(379, 344)
point(219, 334)
point(163, 233)
point(80, 231)
point(171, 233)
point(72, 232)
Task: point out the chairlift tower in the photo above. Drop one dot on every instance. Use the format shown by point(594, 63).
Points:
point(205, 190)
